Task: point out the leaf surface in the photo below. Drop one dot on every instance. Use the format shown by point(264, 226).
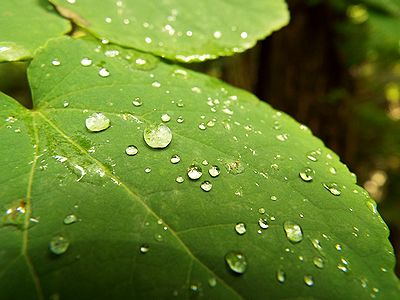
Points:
point(137, 232)
point(178, 29)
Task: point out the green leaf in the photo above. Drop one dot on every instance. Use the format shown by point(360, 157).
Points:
point(25, 26)
point(84, 220)
point(180, 30)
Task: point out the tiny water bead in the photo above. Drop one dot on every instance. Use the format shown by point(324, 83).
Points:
point(293, 231)
point(206, 186)
point(165, 117)
point(333, 188)
point(131, 150)
point(144, 248)
point(308, 280)
point(194, 172)
point(236, 262)
point(70, 219)
point(307, 174)
point(103, 72)
point(55, 62)
point(97, 122)
point(240, 228)
point(137, 102)
point(318, 262)
point(58, 245)
point(175, 159)
point(280, 276)
point(214, 171)
point(86, 62)
point(157, 136)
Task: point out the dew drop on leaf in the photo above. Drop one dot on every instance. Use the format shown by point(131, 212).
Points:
point(58, 245)
point(280, 276)
point(86, 62)
point(103, 72)
point(263, 223)
point(137, 102)
point(206, 186)
point(157, 136)
point(97, 122)
point(194, 172)
point(293, 231)
point(236, 262)
point(180, 119)
point(70, 219)
point(131, 150)
point(212, 281)
point(165, 117)
point(55, 62)
point(175, 159)
point(179, 179)
point(234, 167)
point(214, 171)
point(307, 174)
point(202, 126)
point(332, 188)
point(147, 170)
point(14, 213)
point(318, 262)
point(308, 280)
point(240, 228)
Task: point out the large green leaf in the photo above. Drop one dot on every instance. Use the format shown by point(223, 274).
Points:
point(26, 25)
point(179, 29)
point(138, 233)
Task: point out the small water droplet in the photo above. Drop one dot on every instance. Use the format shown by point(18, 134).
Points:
point(58, 245)
point(70, 219)
point(86, 62)
point(147, 170)
point(206, 186)
point(144, 248)
point(55, 62)
point(236, 262)
point(137, 102)
point(214, 171)
point(15, 213)
point(131, 150)
point(312, 155)
point(307, 174)
point(157, 136)
point(318, 262)
point(217, 34)
point(65, 104)
point(316, 244)
point(97, 122)
point(202, 126)
point(244, 35)
point(280, 276)
point(204, 162)
point(194, 172)
point(156, 84)
point(293, 232)
point(212, 282)
point(274, 198)
point(180, 119)
point(333, 188)
point(103, 72)
point(158, 237)
point(263, 223)
point(179, 179)
point(240, 228)
point(165, 117)
point(308, 280)
point(175, 159)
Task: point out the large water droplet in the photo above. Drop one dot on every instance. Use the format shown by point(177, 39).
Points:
point(214, 171)
point(70, 219)
point(333, 188)
point(157, 136)
point(58, 245)
point(131, 150)
point(280, 276)
point(293, 231)
point(240, 228)
point(236, 262)
point(97, 122)
point(307, 174)
point(308, 280)
point(175, 159)
point(206, 186)
point(194, 172)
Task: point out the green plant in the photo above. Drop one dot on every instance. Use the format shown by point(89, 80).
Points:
point(132, 176)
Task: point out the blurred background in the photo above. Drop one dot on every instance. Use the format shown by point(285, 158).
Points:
point(335, 68)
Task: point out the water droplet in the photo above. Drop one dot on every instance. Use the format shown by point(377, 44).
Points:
point(308, 280)
point(280, 276)
point(316, 244)
point(175, 159)
point(179, 179)
point(318, 262)
point(103, 72)
point(165, 117)
point(206, 186)
point(342, 267)
point(244, 35)
point(58, 245)
point(144, 248)
point(180, 119)
point(158, 237)
point(307, 174)
point(236, 262)
point(97, 122)
point(214, 171)
point(332, 188)
point(312, 155)
point(131, 150)
point(332, 170)
point(180, 73)
point(212, 282)
point(147, 170)
point(86, 62)
point(15, 213)
point(156, 84)
point(217, 34)
point(234, 167)
point(157, 136)
point(263, 223)
point(70, 219)
point(65, 104)
point(137, 102)
point(202, 126)
point(55, 62)
point(338, 247)
point(240, 228)
point(274, 198)
point(293, 232)
point(204, 162)
point(194, 172)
